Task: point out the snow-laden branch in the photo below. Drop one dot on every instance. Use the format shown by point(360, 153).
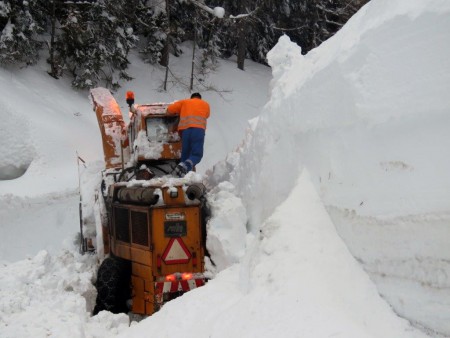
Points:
point(246, 15)
point(289, 29)
point(218, 12)
point(240, 16)
point(334, 23)
point(337, 11)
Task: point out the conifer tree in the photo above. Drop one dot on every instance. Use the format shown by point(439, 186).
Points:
point(19, 40)
point(91, 39)
point(95, 43)
point(306, 22)
point(152, 26)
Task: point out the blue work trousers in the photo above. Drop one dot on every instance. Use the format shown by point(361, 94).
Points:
point(192, 140)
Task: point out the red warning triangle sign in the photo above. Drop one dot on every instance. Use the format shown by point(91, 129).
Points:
point(176, 252)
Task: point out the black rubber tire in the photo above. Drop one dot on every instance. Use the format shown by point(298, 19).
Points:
point(113, 286)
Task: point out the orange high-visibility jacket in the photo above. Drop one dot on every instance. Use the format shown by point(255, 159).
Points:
point(193, 113)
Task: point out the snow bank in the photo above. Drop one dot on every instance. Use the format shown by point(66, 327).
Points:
point(367, 114)
point(43, 130)
point(29, 224)
point(17, 151)
point(52, 296)
point(227, 227)
point(361, 111)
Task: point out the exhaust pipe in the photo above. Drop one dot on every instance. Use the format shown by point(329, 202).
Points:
point(138, 195)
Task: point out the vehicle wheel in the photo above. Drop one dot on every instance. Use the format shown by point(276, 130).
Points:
point(113, 285)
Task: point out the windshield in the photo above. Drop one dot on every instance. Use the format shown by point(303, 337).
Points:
point(161, 129)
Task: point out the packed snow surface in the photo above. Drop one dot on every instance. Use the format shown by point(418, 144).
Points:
point(336, 190)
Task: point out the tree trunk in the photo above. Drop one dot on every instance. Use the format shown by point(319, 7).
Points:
point(193, 57)
point(53, 66)
point(242, 36)
point(242, 44)
point(165, 52)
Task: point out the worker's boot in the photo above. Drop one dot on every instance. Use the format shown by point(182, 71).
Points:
point(180, 170)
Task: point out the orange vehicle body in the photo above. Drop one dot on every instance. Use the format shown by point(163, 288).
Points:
point(154, 224)
point(112, 127)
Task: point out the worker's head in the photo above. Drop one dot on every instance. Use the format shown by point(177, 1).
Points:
point(196, 95)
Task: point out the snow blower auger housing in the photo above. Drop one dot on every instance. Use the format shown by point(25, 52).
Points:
point(153, 224)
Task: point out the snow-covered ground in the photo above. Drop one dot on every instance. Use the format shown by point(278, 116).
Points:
point(338, 189)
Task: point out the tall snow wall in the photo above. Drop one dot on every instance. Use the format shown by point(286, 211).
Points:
point(367, 113)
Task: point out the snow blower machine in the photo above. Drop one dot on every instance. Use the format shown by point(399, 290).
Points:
point(153, 225)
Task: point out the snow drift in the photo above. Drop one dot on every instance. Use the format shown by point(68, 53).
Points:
point(367, 114)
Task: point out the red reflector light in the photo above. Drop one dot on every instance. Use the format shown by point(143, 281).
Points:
point(171, 278)
point(186, 276)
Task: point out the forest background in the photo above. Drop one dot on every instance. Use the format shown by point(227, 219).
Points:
point(90, 41)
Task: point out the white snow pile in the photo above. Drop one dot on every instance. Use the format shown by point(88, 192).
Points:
point(17, 158)
point(38, 294)
point(346, 169)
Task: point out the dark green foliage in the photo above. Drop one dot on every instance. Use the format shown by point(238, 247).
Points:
point(152, 27)
point(306, 22)
point(96, 40)
point(91, 40)
point(19, 33)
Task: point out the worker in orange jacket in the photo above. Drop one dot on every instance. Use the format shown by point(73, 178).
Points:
point(193, 114)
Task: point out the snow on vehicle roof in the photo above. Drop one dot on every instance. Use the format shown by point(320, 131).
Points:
point(152, 109)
